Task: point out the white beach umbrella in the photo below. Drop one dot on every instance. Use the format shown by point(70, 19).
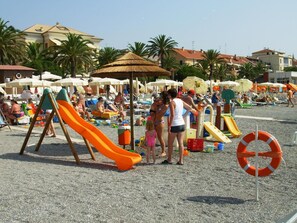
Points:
point(228, 84)
point(104, 81)
point(265, 84)
point(3, 85)
point(212, 83)
point(164, 82)
point(70, 82)
point(96, 81)
point(244, 85)
point(28, 82)
point(196, 84)
point(279, 85)
point(47, 76)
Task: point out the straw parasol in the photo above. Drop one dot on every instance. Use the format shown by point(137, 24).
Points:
point(129, 66)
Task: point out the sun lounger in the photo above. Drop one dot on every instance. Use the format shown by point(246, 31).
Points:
point(242, 105)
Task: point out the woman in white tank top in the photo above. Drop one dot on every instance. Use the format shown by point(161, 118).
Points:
point(176, 125)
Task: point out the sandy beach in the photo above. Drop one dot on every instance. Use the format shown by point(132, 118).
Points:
point(48, 186)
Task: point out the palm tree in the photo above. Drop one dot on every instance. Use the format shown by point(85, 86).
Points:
point(212, 59)
point(12, 44)
point(259, 69)
point(139, 49)
point(171, 64)
point(221, 71)
point(188, 70)
point(160, 47)
point(247, 70)
point(108, 55)
point(34, 57)
point(74, 54)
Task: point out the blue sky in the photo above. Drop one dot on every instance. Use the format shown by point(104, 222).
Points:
point(232, 27)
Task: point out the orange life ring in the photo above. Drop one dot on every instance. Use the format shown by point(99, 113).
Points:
point(275, 153)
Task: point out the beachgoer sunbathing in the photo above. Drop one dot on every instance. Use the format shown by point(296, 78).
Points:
point(14, 113)
point(100, 106)
point(81, 108)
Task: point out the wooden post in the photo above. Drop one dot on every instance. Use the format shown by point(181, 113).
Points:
point(218, 117)
point(131, 111)
point(64, 128)
point(90, 149)
point(32, 124)
point(48, 121)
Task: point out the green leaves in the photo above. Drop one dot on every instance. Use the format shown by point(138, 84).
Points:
point(12, 44)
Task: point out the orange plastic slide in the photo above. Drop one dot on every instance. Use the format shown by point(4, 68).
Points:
point(232, 126)
point(123, 158)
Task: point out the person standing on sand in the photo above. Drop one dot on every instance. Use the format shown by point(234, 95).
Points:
point(176, 125)
point(290, 97)
point(189, 99)
point(157, 111)
point(150, 139)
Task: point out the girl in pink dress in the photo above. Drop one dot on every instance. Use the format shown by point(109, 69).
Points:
point(150, 139)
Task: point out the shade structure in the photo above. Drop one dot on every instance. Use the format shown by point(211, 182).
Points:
point(244, 85)
point(129, 66)
point(96, 81)
point(208, 82)
point(195, 83)
point(228, 84)
point(104, 81)
point(48, 76)
point(70, 82)
point(2, 91)
point(28, 82)
point(269, 84)
point(165, 82)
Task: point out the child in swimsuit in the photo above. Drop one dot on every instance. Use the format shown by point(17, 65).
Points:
point(150, 139)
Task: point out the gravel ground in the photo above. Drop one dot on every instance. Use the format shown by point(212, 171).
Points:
point(47, 186)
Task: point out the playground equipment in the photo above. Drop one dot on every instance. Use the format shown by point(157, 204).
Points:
point(215, 133)
point(65, 112)
point(229, 122)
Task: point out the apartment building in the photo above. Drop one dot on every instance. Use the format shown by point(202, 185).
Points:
point(52, 35)
point(276, 60)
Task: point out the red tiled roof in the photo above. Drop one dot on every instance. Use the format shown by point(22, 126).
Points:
point(14, 67)
point(190, 54)
point(267, 51)
point(234, 59)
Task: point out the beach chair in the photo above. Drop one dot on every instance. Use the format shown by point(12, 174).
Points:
point(242, 105)
point(3, 120)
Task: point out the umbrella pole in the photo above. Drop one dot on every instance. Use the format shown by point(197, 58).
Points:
point(131, 111)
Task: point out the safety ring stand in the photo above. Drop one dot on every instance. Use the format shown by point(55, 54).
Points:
point(275, 154)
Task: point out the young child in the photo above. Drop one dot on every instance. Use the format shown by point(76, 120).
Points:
point(150, 139)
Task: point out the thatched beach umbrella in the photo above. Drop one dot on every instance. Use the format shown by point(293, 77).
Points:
point(130, 66)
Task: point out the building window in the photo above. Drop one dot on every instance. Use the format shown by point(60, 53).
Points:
point(180, 62)
point(280, 60)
